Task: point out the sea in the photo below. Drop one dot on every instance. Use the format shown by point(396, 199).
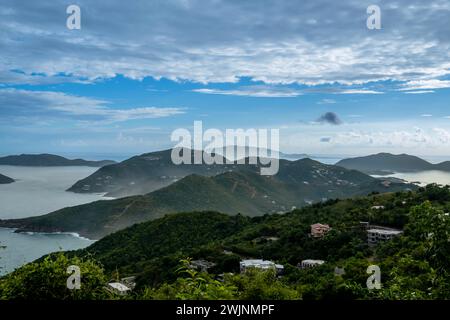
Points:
point(422, 178)
point(37, 191)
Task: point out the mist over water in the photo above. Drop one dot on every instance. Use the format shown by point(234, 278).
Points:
point(38, 190)
point(425, 177)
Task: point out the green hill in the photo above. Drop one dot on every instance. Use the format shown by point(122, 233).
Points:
point(162, 255)
point(143, 174)
point(49, 160)
point(151, 249)
point(5, 179)
point(386, 163)
point(297, 184)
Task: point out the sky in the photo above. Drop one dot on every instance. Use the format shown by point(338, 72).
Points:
point(138, 70)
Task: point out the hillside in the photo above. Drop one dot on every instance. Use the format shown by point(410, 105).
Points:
point(151, 250)
point(49, 160)
point(5, 179)
point(163, 255)
point(142, 174)
point(297, 184)
point(386, 163)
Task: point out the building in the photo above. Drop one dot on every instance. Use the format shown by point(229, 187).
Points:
point(339, 271)
point(260, 264)
point(377, 208)
point(202, 265)
point(118, 288)
point(130, 282)
point(310, 263)
point(375, 235)
point(364, 225)
point(318, 230)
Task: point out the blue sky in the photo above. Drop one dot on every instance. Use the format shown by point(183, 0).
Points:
point(136, 72)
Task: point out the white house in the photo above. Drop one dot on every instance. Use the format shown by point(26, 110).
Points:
point(118, 288)
point(260, 264)
point(310, 263)
point(375, 235)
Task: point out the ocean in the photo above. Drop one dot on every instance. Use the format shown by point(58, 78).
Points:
point(425, 177)
point(38, 190)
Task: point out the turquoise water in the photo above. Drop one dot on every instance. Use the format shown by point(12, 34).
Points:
point(38, 191)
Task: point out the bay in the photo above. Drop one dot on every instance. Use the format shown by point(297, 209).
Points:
point(36, 191)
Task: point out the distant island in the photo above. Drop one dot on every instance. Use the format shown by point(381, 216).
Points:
point(5, 179)
point(387, 163)
point(49, 160)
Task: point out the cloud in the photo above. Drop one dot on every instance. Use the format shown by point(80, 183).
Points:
point(330, 118)
point(358, 91)
point(418, 137)
point(419, 92)
point(426, 85)
point(254, 91)
point(326, 101)
point(27, 104)
point(426, 115)
point(223, 40)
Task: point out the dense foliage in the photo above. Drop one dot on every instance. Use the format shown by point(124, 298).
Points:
point(414, 265)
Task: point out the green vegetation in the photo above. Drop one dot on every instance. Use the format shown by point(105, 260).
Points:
point(414, 265)
point(245, 191)
point(47, 280)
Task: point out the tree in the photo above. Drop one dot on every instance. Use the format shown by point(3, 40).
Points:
point(47, 280)
point(191, 285)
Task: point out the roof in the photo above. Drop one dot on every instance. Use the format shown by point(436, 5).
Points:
point(384, 231)
point(312, 261)
point(119, 286)
point(319, 225)
point(260, 263)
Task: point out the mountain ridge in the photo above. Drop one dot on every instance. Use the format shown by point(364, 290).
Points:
point(49, 160)
point(297, 184)
point(387, 163)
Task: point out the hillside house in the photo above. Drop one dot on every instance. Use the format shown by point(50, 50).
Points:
point(318, 230)
point(378, 234)
point(202, 265)
point(260, 264)
point(310, 263)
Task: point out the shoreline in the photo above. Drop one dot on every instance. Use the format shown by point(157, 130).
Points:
point(29, 232)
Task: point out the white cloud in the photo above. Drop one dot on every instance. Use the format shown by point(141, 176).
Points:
point(425, 86)
point(413, 137)
point(326, 101)
point(220, 41)
point(419, 92)
point(254, 91)
point(358, 91)
point(17, 104)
